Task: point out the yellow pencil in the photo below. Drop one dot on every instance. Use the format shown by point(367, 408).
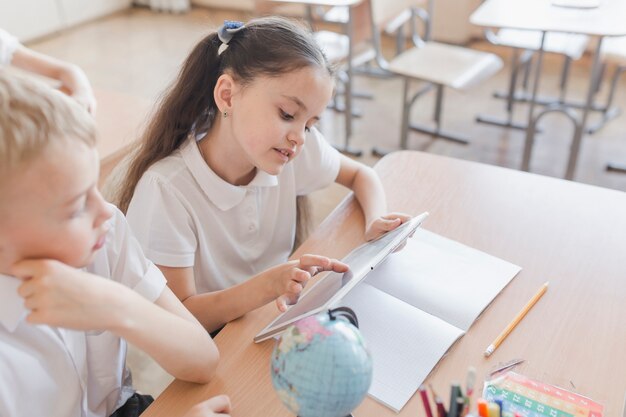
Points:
point(516, 320)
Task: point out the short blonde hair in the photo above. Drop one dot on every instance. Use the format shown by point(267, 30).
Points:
point(33, 116)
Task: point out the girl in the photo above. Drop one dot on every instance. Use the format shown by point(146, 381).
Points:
point(233, 143)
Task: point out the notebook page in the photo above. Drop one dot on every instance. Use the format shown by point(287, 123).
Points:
point(405, 343)
point(442, 277)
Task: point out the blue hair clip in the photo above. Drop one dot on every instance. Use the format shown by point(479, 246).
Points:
point(226, 33)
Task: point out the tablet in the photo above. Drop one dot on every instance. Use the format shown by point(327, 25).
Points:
point(334, 286)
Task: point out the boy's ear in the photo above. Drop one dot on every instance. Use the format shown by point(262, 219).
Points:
point(223, 92)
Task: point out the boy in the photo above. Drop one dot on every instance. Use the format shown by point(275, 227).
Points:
point(74, 284)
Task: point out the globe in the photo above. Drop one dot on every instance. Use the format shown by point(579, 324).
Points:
point(321, 366)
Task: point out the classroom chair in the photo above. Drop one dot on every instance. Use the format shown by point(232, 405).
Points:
point(437, 65)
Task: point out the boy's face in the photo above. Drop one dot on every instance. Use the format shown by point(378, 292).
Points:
point(51, 208)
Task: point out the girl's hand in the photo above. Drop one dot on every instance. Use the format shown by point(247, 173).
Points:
point(216, 406)
point(291, 277)
point(384, 224)
point(61, 296)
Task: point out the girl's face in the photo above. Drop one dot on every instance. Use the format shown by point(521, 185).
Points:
point(270, 116)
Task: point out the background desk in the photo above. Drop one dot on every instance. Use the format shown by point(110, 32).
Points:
point(541, 15)
point(570, 234)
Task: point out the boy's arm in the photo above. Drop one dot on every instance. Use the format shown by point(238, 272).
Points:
point(171, 335)
point(73, 80)
point(61, 296)
point(369, 192)
point(282, 283)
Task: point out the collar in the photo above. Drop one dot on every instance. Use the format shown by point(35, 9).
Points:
point(223, 194)
point(12, 310)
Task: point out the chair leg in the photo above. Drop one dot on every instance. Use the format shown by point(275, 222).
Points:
point(437, 131)
point(404, 124)
point(564, 78)
point(406, 111)
point(609, 112)
point(510, 102)
point(528, 61)
point(516, 64)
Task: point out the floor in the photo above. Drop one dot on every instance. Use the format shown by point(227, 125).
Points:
point(138, 53)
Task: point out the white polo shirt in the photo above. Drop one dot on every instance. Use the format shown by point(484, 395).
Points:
point(48, 371)
point(8, 45)
point(185, 215)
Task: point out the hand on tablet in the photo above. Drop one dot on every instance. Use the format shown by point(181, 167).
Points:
point(290, 278)
point(385, 224)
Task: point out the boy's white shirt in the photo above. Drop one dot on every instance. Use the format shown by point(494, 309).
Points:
point(8, 46)
point(185, 215)
point(49, 371)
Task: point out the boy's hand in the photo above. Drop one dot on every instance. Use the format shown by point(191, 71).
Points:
point(291, 277)
point(216, 406)
point(61, 296)
point(385, 224)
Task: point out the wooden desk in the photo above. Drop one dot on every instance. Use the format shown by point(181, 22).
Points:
point(119, 120)
point(541, 15)
point(571, 234)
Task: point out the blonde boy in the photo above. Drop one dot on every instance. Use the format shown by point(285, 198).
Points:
point(74, 284)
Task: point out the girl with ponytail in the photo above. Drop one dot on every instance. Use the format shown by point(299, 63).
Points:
point(211, 192)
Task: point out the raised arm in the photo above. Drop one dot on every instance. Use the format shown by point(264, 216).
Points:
point(369, 192)
point(73, 80)
point(61, 296)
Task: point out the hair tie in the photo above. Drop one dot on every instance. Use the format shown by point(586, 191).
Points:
point(226, 33)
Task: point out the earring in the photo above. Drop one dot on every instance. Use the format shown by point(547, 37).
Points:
point(225, 114)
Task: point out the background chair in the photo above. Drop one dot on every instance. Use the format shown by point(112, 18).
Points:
point(524, 44)
point(437, 65)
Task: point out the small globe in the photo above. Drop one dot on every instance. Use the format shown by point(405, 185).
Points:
point(321, 367)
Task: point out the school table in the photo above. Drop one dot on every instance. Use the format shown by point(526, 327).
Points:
point(570, 234)
point(541, 15)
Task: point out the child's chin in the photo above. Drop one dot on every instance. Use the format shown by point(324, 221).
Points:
point(82, 263)
point(274, 170)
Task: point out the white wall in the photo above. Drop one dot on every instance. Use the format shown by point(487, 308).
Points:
point(30, 19)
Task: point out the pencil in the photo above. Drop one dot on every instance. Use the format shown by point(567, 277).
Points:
point(516, 320)
point(425, 400)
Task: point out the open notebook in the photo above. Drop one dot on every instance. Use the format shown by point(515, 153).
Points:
point(417, 303)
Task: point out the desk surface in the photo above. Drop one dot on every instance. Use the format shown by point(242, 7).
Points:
point(570, 234)
point(604, 20)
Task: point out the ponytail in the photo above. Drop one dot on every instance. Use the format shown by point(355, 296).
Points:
point(187, 103)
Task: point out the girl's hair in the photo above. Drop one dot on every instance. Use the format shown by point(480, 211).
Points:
point(269, 46)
